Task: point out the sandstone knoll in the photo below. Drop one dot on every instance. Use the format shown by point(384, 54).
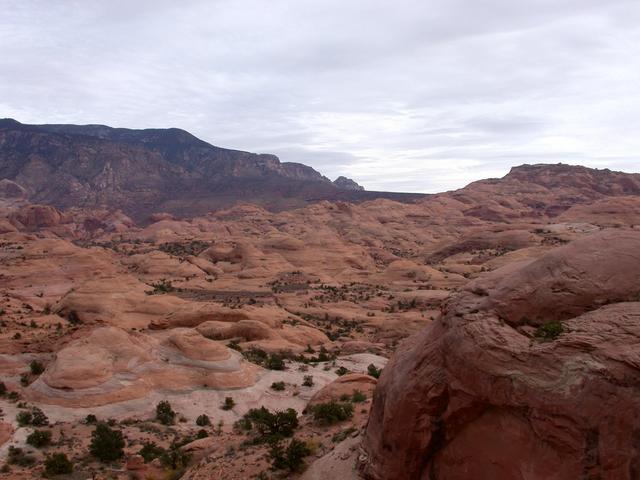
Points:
point(139, 170)
point(118, 366)
point(478, 395)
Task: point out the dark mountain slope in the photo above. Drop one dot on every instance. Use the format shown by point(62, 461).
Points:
point(144, 171)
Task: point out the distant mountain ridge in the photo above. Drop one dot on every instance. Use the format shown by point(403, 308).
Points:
point(142, 171)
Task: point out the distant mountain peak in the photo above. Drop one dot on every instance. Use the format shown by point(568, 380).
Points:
point(347, 184)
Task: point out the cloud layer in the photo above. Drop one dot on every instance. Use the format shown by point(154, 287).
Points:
point(404, 96)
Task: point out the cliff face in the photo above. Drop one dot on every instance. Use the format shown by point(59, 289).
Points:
point(141, 171)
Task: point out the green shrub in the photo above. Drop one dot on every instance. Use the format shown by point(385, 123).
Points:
point(174, 458)
point(358, 397)
point(342, 371)
point(291, 458)
point(332, 412)
point(203, 420)
point(202, 434)
point(164, 413)
point(39, 438)
point(150, 451)
point(3, 389)
point(106, 443)
point(373, 371)
point(549, 331)
point(90, 419)
point(342, 435)
point(38, 419)
point(36, 367)
point(57, 464)
point(24, 418)
point(275, 362)
point(278, 386)
point(270, 425)
point(16, 456)
point(228, 404)
point(308, 381)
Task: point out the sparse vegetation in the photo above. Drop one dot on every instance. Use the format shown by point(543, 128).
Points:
point(332, 412)
point(39, 438)
point(308, 381)
point(278, 386)
point(36, 367)
point(358, 397)
point(90, 419)
point(269, 425)
point(342, 371)
point(164, 413)
point(16, 456)
point(150, 451)
point(228, 404)
point(161, 287)
point(35, 417)
point(203, 420)
point(106, 443)
point(549, 331)
point(374, 371)
point(57, 464)
point(290, 458)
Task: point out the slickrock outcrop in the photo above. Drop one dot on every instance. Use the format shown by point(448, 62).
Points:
point(110, 365)
point(478, 395)
point(345, 385)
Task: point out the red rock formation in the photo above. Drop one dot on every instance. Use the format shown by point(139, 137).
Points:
point(476, 396)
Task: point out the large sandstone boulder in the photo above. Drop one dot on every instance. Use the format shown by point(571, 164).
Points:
point(33, 217)
point(477, 396)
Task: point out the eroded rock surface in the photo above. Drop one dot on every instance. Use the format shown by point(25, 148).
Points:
point(477, 395)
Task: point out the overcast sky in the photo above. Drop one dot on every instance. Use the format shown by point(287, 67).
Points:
point(399, 95)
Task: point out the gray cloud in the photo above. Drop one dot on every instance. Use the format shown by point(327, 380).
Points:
point(406, 95)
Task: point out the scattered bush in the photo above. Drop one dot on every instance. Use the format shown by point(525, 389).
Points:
point(164, 413)
point(228, 404)
point(36, 367)
point(150, 451)
point(175, 459)
point(308, 381)
point(16, 456)
point(90, 419)
point(39, 438)
point(278, 386)
point(275, 362)
point(342, 435)
point(332, 412)
point(358, 397)
point(57, 464)
point(24, 379)
point(291, 458)
point(549, 331)
point(203, 420)
point(106, 443)
point(342, 371)
point(270, 425)
point(38, 418)
point(24, 418)
point(373, 371)
point(3, 389)
point(202, 434)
